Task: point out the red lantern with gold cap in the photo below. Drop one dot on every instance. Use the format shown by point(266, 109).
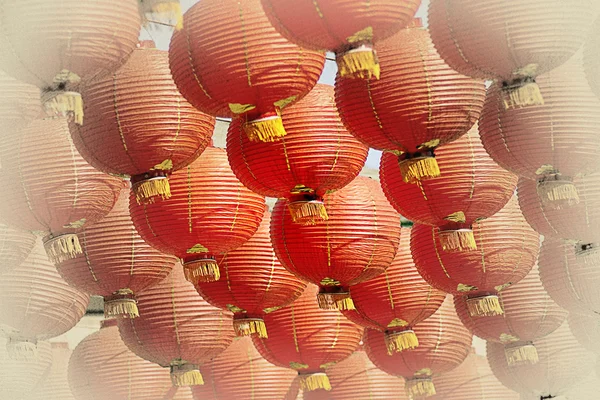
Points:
point(418, 103)
point(15, 246)
point(139, 125)
point(209, 213)
point(308, 339)
point(507, 249)
point(228, 60)
point(444, 343)
point(395, 301)
point(116, 262)
point(358, 242)
point(472, 187)
point(316, 156)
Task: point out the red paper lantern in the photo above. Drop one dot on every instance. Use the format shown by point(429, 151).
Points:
point(510, 41)
point(395, 301)
point(591, 58)
point(55, 386)
point(253, 283)
point(228, 60)
point(56, 45)
point(19, 104)
point(418, 104)
point(308, 339)
point(116, 262)
point(209, 213)
point(20, 377)
point(15, 246)
point(472, 187)
point(346, 27)
point(177, 328)
point(507, 249)
point(49, 187)
point(316, 156)
point(358, 242)
point(444, 343)
point(529, 314)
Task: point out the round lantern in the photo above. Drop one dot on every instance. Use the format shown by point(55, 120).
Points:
point(563, 363)
point(591, 58)
point(395, 301)
point(37, 304)
point(507, 249)
point(586, 329)
point(229, 61)
point(56, 45)
point(529, 314)
point(49, 187)
point(56, 385)
point(161, 13)
point(19, 104)
point(472, 187)
point(15, 246)
point(116, 263)
point(510, 41)
point(138, 124)
point(316, 156)
point(357, 242)
point(20, 377)
point(253, 283)
point(307, 339)
point(209, 213)
point(177, 329)
point(418, 104)
point(444, 343)
point(348, 28)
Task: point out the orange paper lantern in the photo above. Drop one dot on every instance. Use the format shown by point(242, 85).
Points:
point(20, 377)
point(15, 246)
point(55, 386)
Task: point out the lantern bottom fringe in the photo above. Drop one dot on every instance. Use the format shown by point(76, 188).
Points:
point(204, 270)
point(308, 212)
point(335, 301)
point(267, 129)
point(21, 350)
point(416, 169)
point(163, 10)
point(457, 240)
point(186, 375)
point(315, 382)
point(485, 306)
point(420, 387)
point(250, 326)
point(522, 95)
point(522, 354)
point(146, 190)
point(64, 104)
point(361, 63)
point(557, 192)
point(63, 247)
point(397, 342)
point(121, 304)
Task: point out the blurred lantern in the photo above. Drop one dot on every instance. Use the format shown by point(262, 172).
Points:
point(209, 213)
point(253, 283)
point(116, 262)
point(444, 343)
point(418, 104)
point(472, 187)
point(15, 246)
point(49, 187)
point(563, 363)
point(529, 314)
point(177, 328)
point(586, 329)
point(19, 378)
point(229, 61)
point(566, 142)
point(307, 339)
point(591, 58)
point(357, 242)
point(317, 156)
point(19, 104)
point(37, 304)
point(161, 12)
point(507, 249)
point(395, 301)
point(55, 45)
point(510, 41)
point(346, 27)
point(55, 386)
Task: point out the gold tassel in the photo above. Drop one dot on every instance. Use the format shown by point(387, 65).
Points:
point(397, 342)
point(417, 169)
point(65, 104)
point(146, 190)
point(485, 306)
point(361, 63)
point(557, 191)
point(250, 326)
point(268, 129)
point(522, 354)
point(186, 375)
point(420, 387)
point(457, 240)
point(21, 350)
point(204, 270)
point(522, 95)
point(315, 381)
point(308, 212)
point(335, 301)
point(63, 247)
point(121, 304)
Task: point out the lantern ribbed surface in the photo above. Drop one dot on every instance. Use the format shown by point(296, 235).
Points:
point(563, 363)
point(19, 104)
point(397, 300)
point(586, 329)
point(20, 377)
point(56, 385)
point(591, 58)
point(253, 282)
point(358, 242)
point(307, 339)
point(15, 246)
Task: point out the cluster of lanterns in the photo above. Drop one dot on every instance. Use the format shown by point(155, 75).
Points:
point(111, 186)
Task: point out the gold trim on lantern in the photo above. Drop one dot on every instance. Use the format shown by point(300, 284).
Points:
point(457, 240)
point(420, 387)
point(484, 306)
point(146, 190)
point(360, 62)
point(266, 129)
point(298, 366)
point(521, 354)
point(202, 270)
point(63, 247)
point(399, 341)
point(121, 304)
point(316, 381)
point(416, 169)
point(183, 374)
point(250, 326)
point(458, 217)
point(310, 212)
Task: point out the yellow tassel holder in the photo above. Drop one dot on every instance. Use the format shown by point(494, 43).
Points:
point(63, 247)
point(265, 129)
point(21, 350)
point(121, 304)
point(399, 341)
point(521, 93)
point(420, 387)
point(557, 192)
point(311, 382)
point(457, 240)
point(202, 270)
point(308, 212)
point(146, 190)
point(250, 326)
point(416, 169)
point(335, 301)
point(521, 354)
point(183, 374)
point(63, 103)
point(360, 62)
point(588, 253)
point(484, 306)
